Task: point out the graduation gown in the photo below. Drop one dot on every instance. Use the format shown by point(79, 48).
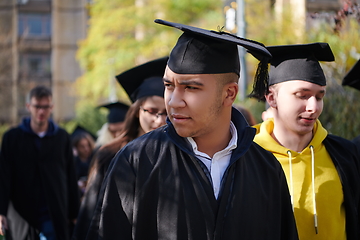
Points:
point(157, 189)
point(102, 160)
point(345, 156)
point(356, 141)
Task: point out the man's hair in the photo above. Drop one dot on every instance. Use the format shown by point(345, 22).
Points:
point(274, 87)
point(40, 92)
point(225, 78)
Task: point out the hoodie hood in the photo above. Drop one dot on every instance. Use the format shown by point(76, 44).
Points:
point(51, 131)
point(263, 138)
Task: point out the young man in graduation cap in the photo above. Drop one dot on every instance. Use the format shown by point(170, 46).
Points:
point(115, 124)
point(321, 169)
point(352, 79)
point(201, 176)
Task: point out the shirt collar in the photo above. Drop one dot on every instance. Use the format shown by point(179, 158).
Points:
point(232, 143)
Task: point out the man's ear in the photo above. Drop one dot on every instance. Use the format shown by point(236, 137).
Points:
point(271, 98)
point(231, 91)
point(28, 106)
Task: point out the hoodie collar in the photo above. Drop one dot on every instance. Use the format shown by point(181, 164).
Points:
point(264, 138)
point(319, 134)
point(52, 127)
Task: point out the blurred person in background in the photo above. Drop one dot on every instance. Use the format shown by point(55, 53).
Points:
point(247, 114)
point(352, 79)
point(114, 125)
point(265, 115)
point(83, 147)
point(145, 88)
point(37, 174)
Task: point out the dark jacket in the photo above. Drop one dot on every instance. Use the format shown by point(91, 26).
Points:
point(157, 189)
point(345, 157)
point(356, 141)
point(38, 176)
point(102, 160)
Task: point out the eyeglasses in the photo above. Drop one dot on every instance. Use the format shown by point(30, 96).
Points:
point(38, 107)
point(154, 113)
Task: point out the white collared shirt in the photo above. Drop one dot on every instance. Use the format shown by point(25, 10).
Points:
point(220, 161)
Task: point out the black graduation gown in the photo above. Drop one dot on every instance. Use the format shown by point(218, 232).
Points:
point(345, 156)
point(88, 204)
point(356, 141)
point(34, 170)
point(157, 189)
point(19, 229)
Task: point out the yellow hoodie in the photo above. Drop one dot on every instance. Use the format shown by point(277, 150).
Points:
point(329, 199)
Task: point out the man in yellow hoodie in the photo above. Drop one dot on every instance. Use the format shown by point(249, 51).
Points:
point(322, 170)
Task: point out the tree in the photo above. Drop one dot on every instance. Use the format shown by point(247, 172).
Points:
point(341, 106)
point(342, 31)
point(122, 34)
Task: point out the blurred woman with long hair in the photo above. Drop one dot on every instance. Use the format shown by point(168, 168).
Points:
point(145, 88)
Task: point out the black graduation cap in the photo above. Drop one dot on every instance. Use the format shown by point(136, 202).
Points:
point(79, 129)
point(117, 111)
point(352, 78)
point(144, 80)
point(200, 51)
point(299, 62)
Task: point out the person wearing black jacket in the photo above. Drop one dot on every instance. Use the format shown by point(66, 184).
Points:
point(201, 176)
point(37, 174)
point(352, 79)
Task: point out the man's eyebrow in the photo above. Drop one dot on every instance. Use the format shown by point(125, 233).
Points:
point(185, 82)
point(190, 82)
point(308, 90)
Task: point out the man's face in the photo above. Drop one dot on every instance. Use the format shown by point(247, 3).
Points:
point(193, 103)
point(299, 104)
point(116, 128)
point(40, 110)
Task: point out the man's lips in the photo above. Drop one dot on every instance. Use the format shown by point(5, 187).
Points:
point(308, 119)
point(41, 117)
point(179, 117)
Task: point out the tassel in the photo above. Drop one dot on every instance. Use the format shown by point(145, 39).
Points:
point(261, 80)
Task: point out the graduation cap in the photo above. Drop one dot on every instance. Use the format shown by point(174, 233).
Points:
point(117, 111)
point(79, 130)
point(201, 51)
point(299, 62)
point(144, 80)
point(352, 78)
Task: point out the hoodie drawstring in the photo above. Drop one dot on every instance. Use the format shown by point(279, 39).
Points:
point(313, 187)
point(312, 184)
point(291, 181)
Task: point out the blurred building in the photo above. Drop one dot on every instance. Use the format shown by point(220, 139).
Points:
point(38, 44)
point(308, 5)
point(315, 14)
